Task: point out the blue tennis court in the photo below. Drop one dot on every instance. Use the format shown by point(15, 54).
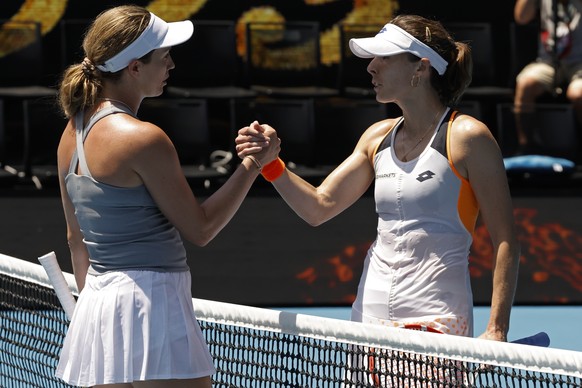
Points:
point(560, 322)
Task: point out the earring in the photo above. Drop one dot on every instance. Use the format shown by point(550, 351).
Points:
point(414, 81)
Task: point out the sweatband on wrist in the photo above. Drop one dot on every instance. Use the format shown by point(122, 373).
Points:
point(273, 170)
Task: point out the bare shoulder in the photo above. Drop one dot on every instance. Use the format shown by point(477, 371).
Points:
point(381, 128)
point(135, 137)
point(375, 133)
point(141, 132)
point(467, 127)
point(469, 134)
point(133, 146)
point(472, 144)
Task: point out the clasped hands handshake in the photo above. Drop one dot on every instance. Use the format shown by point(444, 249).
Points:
point(260, 143)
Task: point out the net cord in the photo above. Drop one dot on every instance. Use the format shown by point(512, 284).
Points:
point(532, 358)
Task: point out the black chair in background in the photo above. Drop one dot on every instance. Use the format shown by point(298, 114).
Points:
point(8, 175)
point(340, 122)
point(553, 127)
point(21, 77)
point(353, 77)
point(21, 61)
point(186, 123)
point(472, 108)
point(487, 79)
point(208, 65)
point(72, 33)
point(489, 86)
point(283, 60)
point(43, 125)
point(294, 120)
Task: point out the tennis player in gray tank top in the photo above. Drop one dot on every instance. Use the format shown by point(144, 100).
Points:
point(128, 205)
point(123, 227)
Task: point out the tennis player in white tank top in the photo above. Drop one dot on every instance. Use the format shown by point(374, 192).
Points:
point(431, 182)
point(416, 272)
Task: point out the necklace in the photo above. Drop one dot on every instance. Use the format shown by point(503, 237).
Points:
point(431, 126)
point(119, 102)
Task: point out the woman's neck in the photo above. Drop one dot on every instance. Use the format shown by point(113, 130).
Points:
point(417, 122)
point(117, 102)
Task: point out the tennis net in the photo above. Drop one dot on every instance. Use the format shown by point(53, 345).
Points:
point(256, 347)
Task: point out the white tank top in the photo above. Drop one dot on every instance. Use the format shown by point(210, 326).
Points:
point(417, 269)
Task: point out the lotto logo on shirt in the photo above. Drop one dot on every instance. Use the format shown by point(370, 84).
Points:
point(423, 176)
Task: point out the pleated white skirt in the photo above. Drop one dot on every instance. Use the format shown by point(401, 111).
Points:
point(134, 326)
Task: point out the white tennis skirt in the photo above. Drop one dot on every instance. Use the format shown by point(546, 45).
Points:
point(134, 326)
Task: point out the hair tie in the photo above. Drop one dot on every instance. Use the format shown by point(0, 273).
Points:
point(88, 68)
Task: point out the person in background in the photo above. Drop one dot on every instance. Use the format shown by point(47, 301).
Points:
point(558, 67)
point(127, 205)
point(434, 171)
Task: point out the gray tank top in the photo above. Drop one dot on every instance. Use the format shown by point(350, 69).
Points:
point(123, 228)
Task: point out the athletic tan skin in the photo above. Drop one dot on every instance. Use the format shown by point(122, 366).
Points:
point(140, 152)
point(475, 155)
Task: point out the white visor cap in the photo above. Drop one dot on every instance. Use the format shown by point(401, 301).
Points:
point(158, 34)
point(392, 40)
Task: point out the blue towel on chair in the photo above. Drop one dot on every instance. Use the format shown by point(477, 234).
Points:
point(538, 164)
